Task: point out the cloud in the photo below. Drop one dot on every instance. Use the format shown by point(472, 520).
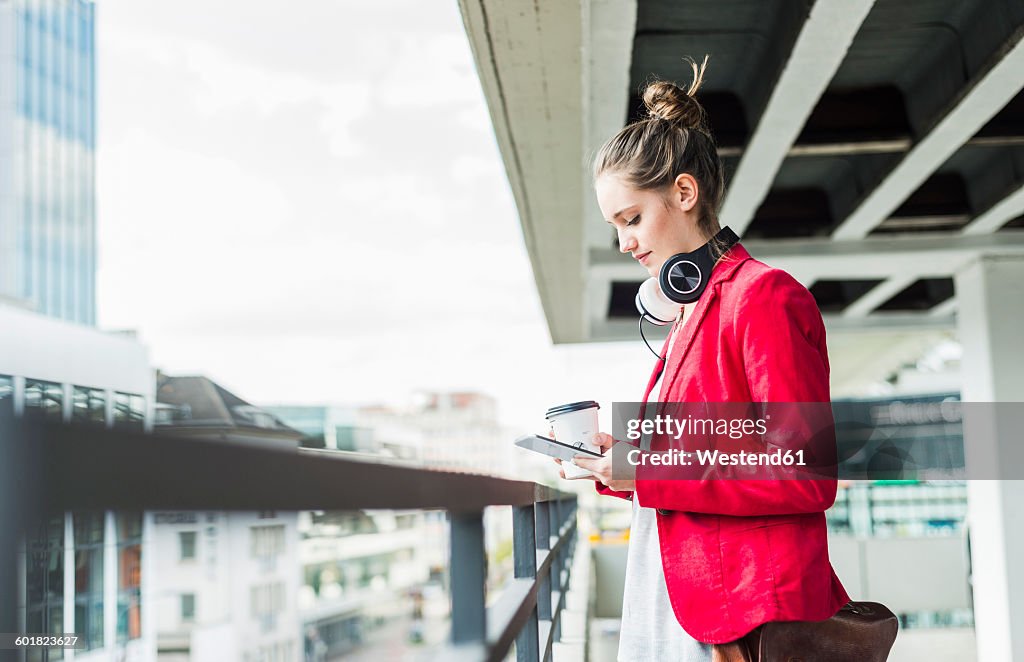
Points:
point(307, 203)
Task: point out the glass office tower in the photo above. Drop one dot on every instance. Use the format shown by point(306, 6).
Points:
point(47, 157)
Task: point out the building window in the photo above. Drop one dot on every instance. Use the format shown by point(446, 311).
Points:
point(89, 405)
point(129, 572)
point(267, 541)
point(89, 578)
point(129, 410)
point(346, 523)
point(45, 585)
point(266, 602)
point(276, 652)
point(188, 607)
point(6, 395)
point(408, 521)
point(44, 399)
point(255, 416)
point(187, 541)
point(168, 414)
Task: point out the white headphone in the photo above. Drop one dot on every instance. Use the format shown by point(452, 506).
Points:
point(653, 305)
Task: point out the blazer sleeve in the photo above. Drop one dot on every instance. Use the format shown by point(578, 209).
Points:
point(781, 338)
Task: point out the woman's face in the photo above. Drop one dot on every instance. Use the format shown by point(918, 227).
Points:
point(652, 225)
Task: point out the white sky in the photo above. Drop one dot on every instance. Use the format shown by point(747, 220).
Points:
point(310, 207)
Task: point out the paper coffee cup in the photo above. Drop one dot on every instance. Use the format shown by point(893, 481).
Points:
point(575, 424)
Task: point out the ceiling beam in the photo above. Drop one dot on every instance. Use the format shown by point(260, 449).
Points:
point(871, 257)
point(609, 26)
point(877, 295)
point(835, 148)
point(620, 329)
point(528, 57)
point(889, 245)
point(608, 53)
point(886, 146)
point(1000, 213)
point(885, 257)
point(944, 309)
point(889, 322)
point(982, 98)
point(819, 50)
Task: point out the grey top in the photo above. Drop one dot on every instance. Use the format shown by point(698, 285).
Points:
point(649, 629)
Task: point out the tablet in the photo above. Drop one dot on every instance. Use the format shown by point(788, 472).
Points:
point(553, 448)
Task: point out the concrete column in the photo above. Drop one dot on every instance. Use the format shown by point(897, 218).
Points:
point(990, 297)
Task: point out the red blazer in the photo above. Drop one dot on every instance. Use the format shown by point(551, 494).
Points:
point(739, 553)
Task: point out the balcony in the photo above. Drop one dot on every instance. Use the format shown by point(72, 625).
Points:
point(48, 469)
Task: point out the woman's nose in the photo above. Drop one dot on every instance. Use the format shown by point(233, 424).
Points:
point(627, 243)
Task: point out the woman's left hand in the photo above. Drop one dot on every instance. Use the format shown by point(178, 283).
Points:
point(602, 468)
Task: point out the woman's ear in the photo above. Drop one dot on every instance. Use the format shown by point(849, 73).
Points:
point(685, 191)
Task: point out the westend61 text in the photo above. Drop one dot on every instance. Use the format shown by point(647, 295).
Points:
point(707, 458)
point(735, 428)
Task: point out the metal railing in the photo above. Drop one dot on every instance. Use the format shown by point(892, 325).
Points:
point(49, 468)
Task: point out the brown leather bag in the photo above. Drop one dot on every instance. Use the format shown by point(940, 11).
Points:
point(859, 632)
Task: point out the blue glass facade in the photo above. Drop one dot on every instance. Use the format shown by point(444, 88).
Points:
point(47, 203)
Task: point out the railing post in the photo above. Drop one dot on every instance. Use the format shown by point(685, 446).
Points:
point(524, 554)
point(468, 576)
point(557, 516)
point(544, 543)
point(573, 511)
point(564, 510)
point(556, 569)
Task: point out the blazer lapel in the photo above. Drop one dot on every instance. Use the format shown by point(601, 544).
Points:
point(689, 332)
point(722, 272)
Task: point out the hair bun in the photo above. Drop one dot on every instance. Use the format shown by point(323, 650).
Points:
point(667, 101)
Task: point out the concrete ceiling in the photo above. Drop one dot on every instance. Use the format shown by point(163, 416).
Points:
point(872, 147)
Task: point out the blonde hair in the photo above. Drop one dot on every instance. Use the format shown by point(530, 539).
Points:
point(674, 138)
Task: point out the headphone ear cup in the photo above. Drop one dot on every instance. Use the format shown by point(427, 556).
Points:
point(653, 305)
point(681, 279)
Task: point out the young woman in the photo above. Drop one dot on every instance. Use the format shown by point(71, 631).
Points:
point(709, 562)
